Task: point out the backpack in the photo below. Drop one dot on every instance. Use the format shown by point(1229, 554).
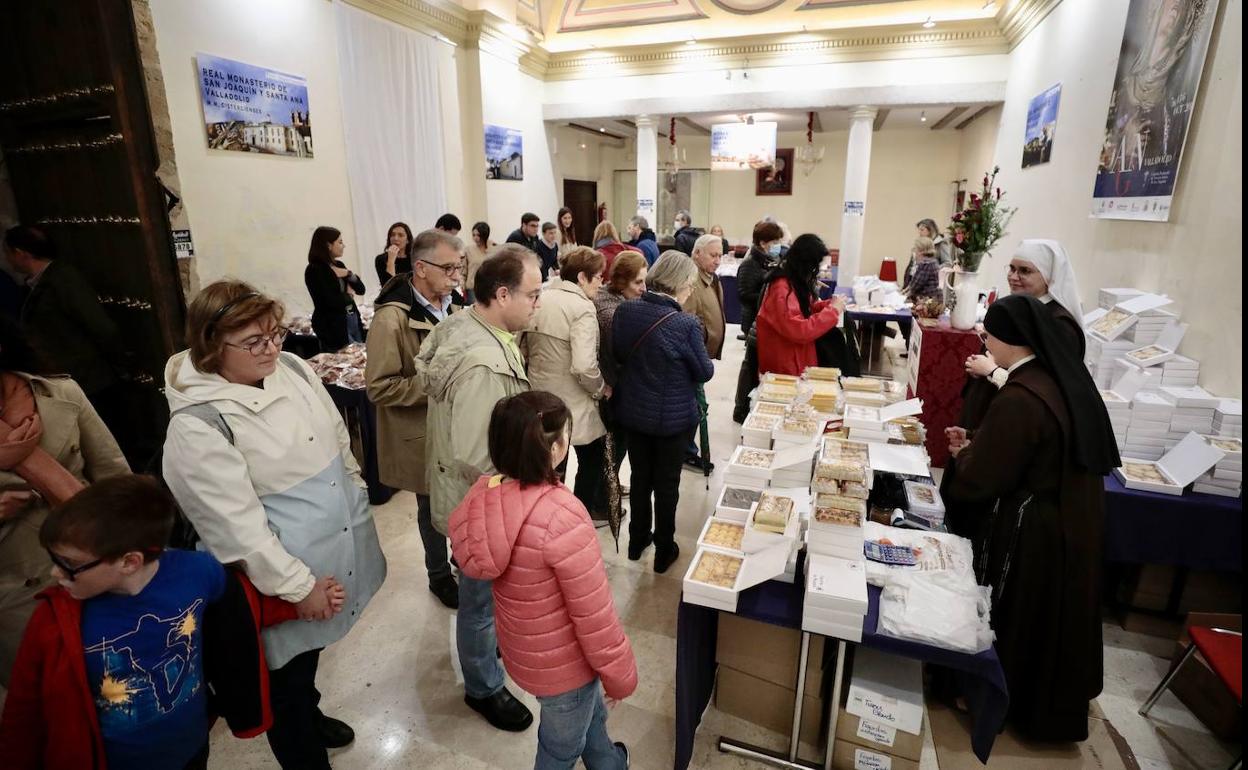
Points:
point(183, 535)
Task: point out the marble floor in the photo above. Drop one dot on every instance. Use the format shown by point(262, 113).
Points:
point(394, 680)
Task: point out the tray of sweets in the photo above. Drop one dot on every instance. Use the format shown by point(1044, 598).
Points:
point(753, 458)
point(739, 498)
point(725, 534)
point(777, 392)
point(781, 379)
point(843, 449)
point(822, 373)
point(773, 513)
point(1144, 472)
point(717, 569)
point(799, 426)
point(842, 502)
point(862, 384)
point(839, 517)
point(762, 422)
point(769, 408)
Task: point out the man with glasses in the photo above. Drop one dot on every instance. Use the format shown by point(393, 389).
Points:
point(465, 366)
point(408, 309)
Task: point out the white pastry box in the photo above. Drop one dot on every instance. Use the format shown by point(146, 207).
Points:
point(735, 503)
point(715, 577)
point(872, 419)
point(888, 689)
point(1162, 350)
point(759, 535)
point(1105, 325)
point(722, 534)
point(1195, 397)
point(1177, 468)
point(839, 585)
point(792, 431)
point(757, 428)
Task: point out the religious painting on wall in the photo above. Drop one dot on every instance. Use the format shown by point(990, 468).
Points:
point(1159, 68)
point(1041, 123)
point(504, 153)
point(254, 109)
point(777, 180)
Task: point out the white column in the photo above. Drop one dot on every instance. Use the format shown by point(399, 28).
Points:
point(857, 170)
point(647, 169)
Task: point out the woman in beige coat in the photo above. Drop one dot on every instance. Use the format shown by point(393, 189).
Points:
point(562, 343)
point(52, 443)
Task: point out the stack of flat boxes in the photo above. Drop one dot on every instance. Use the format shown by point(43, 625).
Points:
point(1228, 418)
point(1227, 477)
point(750, 468)
point(1148, 433)
point(1101, 357)
point(841, 488)
point(1194, 408)
point(1119, 410)
point(836, 597)
point(1178, 372)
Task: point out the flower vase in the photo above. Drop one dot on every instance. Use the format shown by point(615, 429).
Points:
point(965, 289)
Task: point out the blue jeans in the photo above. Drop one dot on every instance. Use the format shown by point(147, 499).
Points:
point(475, 638)
point(574, 726)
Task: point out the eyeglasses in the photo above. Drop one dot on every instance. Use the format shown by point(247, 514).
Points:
point(451, 269)
point(72, 572)
point(258, 345)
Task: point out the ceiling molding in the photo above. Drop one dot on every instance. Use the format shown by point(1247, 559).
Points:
point(746, 7)
point(948, 118)
point(880, 116)
point(694, 127)
point(1022, 17)
point(575, 17)
point(633, 126)
point(450, 21)
point(962, 38)
point(974, 116)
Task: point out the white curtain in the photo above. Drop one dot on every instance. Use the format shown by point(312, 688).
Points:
point(393, 126)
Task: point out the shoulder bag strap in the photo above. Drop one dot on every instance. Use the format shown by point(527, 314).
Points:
point(646, 333)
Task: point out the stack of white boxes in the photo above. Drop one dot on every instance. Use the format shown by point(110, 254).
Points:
point(761, 468)
point(1228, 418)
point(1119, 410)
point(1227, 477)
point(1148, 433)
point(835, 527)
point(836, 597)
point(1105, 359)
point(1150, 324)
point(1194, 408)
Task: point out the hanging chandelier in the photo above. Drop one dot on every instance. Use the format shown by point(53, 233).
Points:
point(809, 156)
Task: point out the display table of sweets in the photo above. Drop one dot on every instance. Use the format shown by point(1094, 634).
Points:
point(787, 600)
point(936, 373)
point(1193, 530)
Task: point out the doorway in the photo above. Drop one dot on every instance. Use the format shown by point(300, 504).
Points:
point(582, 198)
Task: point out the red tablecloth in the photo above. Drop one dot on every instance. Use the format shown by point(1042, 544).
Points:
point(936, 375)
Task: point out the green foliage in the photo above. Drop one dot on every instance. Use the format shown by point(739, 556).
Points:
point(976, 229)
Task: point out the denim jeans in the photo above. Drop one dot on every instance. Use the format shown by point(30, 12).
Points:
point(475, 638)
point(574, 726)
point(434, 541)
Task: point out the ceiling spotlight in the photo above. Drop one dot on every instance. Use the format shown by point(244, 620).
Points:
point(929, 23)
point(691, 41)
point(923, 116)
point(582, 145)
point(602, 130)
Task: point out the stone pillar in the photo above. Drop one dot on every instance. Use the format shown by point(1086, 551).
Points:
point(857, 170)
point(647, 169)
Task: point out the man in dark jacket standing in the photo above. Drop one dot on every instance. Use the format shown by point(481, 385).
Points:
point(640, 236)
point(63, 318)
point(686, 234)
point(527, 233)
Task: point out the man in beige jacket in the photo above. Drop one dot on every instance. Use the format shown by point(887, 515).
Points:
point(707, 303)
point(408, 308)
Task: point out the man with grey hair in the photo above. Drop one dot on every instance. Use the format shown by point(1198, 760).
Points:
point(641, 237)
point(707, 299)
point(684, 233)
point(409, 306)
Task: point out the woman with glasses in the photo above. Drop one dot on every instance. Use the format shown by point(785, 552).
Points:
point(260, 462)
point(335, 318)
point(52, 444)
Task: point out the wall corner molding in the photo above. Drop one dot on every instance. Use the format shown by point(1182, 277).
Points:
point(449, 21)
point(1023, 17)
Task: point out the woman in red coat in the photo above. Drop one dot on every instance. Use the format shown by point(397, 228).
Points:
point(791, 316)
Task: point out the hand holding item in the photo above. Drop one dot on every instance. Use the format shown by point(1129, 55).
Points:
point(980, 365)
point(336, 593)
point(838, 302)
point(957, 439)
point(13, 503)
point(316, 606)
point(392, 253)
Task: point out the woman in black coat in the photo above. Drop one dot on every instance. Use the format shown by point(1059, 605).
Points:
point(397, 257)
point(335, 318)
point(764, 255)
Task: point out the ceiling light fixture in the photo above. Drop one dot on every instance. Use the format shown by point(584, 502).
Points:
point(602, 130)
point(923, 116)
point(929, 23)
point(691, 41)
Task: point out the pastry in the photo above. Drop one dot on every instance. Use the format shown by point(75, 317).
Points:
point(822, 373)
point(717, 569)
point(838, 517)
point(761, 422)
point(773, 513)
point(863, 384)
point(725, 534)
point(1110, 321)
point(739, 498)
point(769, 408)
point(754, 458)
point(1144, 472)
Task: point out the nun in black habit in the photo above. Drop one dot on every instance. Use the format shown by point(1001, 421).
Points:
point(1030, 486)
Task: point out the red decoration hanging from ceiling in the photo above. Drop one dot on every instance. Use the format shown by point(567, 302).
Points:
point(810, 127)
point(671, 132)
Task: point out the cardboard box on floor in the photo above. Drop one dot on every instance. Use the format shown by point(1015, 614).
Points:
point(767, 704)
point(769, 653)
point(882, 739)
point(1200, 689)
point(851, 756)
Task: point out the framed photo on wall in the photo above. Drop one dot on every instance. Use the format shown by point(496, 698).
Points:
point(777, 180)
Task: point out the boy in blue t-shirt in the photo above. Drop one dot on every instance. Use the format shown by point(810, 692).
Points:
point(141, 611)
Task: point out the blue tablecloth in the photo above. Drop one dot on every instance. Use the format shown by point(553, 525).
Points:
point(358, 410)
point(1201, 532)
point(981, 676)
point(732, 302)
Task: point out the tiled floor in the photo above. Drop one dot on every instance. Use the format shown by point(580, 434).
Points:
point(392, 678)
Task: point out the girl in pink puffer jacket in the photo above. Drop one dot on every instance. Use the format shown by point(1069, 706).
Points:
point(556, 622)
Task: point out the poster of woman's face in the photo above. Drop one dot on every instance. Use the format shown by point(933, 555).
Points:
point(777, 180)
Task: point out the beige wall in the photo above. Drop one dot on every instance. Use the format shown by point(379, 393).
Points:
point(978, 147)
point(1197, 256)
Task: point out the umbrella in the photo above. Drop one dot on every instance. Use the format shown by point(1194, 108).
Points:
point(704, 434)
point(615, 510)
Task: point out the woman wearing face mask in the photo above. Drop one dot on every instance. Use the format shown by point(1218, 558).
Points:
point(1029, 493)
point(763, 257)
point(791, 317)
point(397, 258)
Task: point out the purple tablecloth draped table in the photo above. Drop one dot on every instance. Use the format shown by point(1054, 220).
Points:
point(1196, 531)
point(981, 676)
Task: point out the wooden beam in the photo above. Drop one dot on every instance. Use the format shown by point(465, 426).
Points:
point(596, 132)
point(973, 116)
point(633, 126)
point(948, 118)
point(880, 117)
point(686, 122)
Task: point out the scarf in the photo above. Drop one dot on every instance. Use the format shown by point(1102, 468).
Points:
point(20, 432)
point(1054, 264)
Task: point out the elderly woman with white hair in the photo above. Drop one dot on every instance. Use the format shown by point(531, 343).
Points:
point(663, 360)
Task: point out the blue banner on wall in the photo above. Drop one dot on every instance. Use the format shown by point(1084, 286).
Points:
point(1041, 124)
point(254, 109)
point(504, 153)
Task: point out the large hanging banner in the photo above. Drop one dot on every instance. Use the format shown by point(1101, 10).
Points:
point(253, 109)
point(1159, 66)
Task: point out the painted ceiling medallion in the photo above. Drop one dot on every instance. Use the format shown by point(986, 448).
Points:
point(812, 4)
point(580, 15)
point(747, 6)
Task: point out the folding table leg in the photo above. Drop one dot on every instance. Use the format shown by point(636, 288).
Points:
point(759, 754)
point(1170, 675)
point(834, 704)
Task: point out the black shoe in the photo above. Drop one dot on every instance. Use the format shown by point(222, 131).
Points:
point(334, 732)
point(624, 749)
point(637, 547)
point(447, 591)
point(502, 710)
point(599, 520)
point(666, 558)
point(740, 337)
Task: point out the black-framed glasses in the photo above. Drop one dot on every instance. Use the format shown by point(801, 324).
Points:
point(451, 269)
point(257, 345)
point(72, 572)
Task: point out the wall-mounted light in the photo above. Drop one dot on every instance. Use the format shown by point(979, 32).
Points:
point(582, 145)
point(929, 23)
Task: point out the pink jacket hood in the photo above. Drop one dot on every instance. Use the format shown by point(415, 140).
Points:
point(556, 621)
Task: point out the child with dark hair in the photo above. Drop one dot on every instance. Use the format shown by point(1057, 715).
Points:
point(113, 670)
point(558, 630)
